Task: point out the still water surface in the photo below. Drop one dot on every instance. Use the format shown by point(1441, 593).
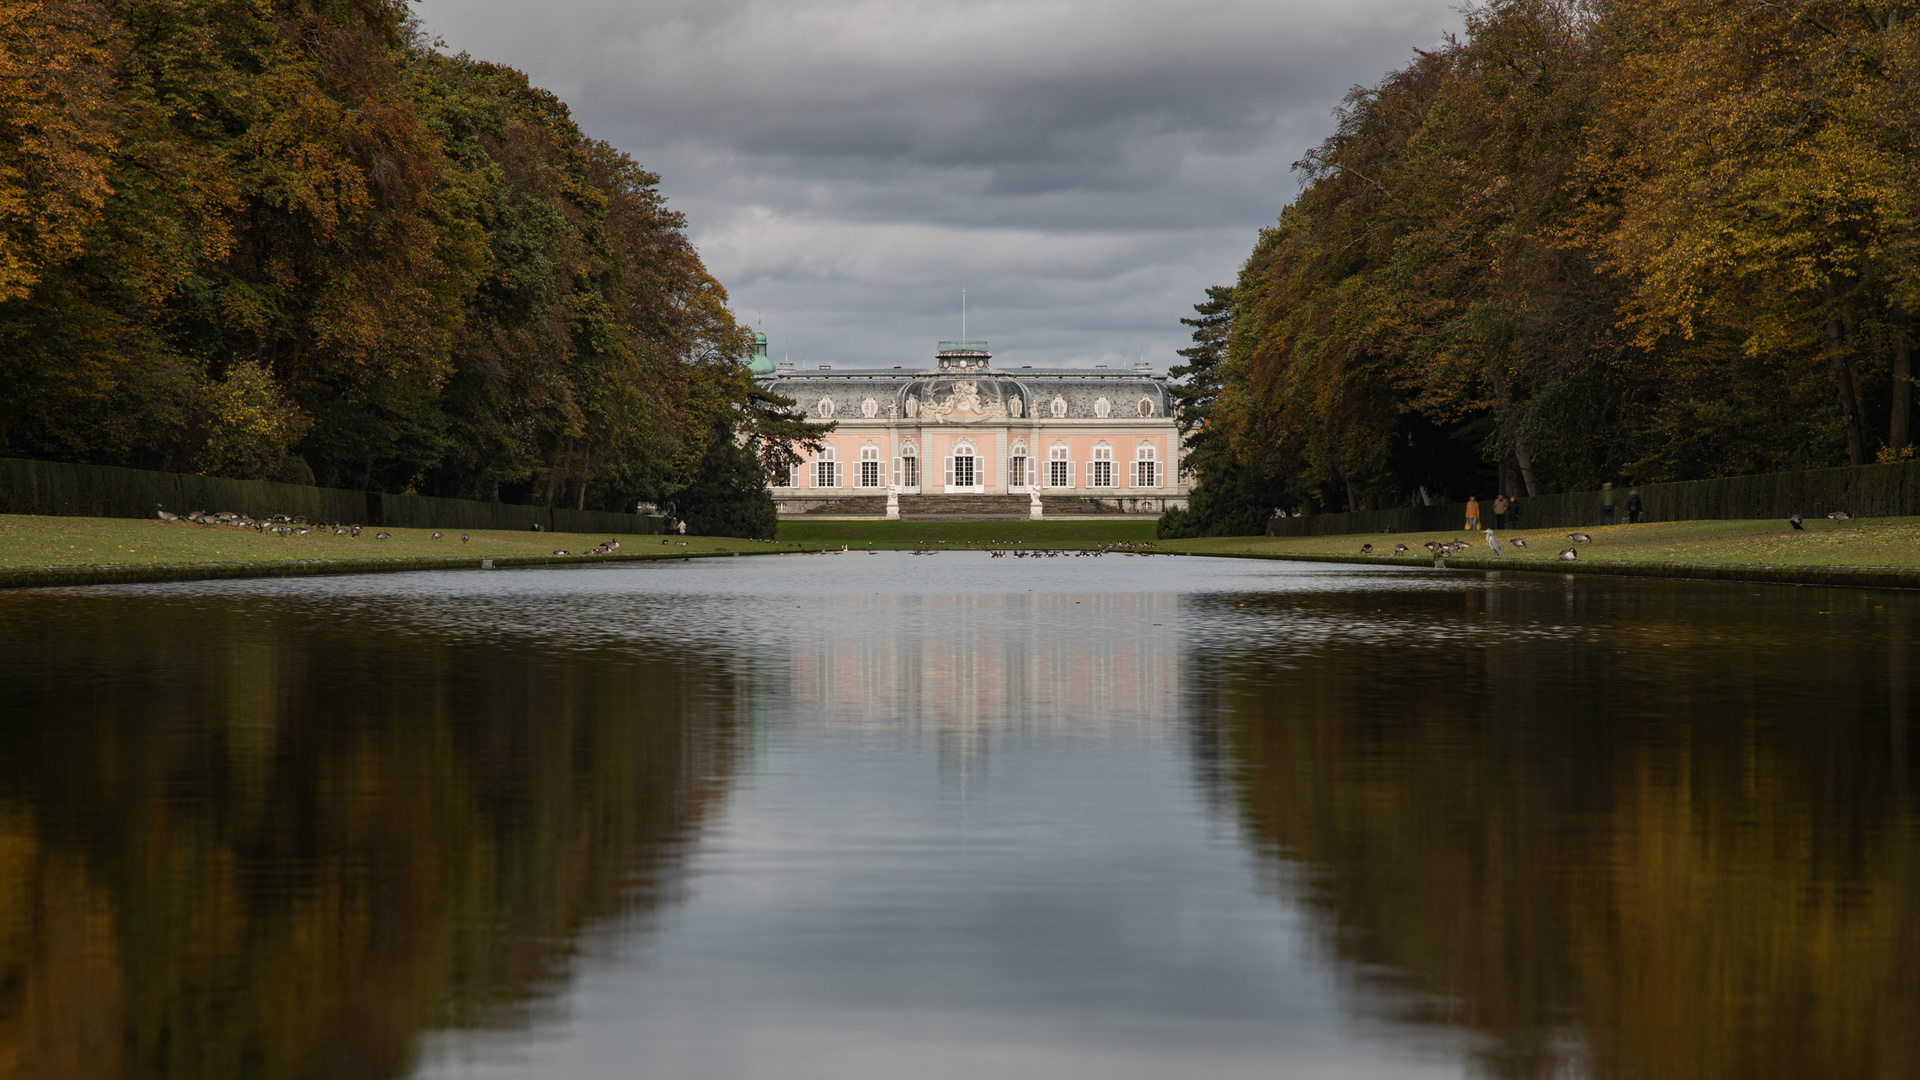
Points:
point(952, 816)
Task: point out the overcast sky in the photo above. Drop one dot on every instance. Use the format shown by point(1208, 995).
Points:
point(1083, 168)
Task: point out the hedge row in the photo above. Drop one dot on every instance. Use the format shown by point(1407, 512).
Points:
point(1868, 491)
point(62, 490)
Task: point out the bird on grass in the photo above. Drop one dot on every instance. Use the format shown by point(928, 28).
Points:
point(1568, 555)
point(437, 536)
point(561, 551)
point(1840, 515)
point(355, 533)
point(1580, 538)
point(465, 537)
point(1433, 546)
point(1493, 542)
point(164, 516)
point(340, 532)
point(1366, 549)
point(1519, 542)
point(1399, 549)
point(383, 535)
point(1795, 521)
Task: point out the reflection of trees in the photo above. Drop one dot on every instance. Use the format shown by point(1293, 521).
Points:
point(280, 846)
point(1601, 858)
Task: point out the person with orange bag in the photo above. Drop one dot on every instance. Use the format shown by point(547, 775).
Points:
point(1473, 514)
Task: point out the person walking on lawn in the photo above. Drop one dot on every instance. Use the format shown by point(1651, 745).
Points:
point(1606, 503)
point(1500, 511)
point(1633, 506)
point(1473, 514)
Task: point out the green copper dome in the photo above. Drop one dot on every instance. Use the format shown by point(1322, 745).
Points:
point(760, 363)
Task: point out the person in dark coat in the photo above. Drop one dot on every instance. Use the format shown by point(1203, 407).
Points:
point(1633, 506)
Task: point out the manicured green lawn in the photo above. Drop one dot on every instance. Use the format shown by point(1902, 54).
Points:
point(932, 534)
point(73, 541)
point(1861, 542)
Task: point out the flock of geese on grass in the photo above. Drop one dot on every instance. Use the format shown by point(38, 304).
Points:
point(1442, 549)
point(1127, 548)
point(284, 526)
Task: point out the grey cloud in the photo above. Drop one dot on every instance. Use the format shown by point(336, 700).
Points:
point(1085, 168)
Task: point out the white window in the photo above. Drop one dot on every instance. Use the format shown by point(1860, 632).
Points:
point(1059, 407)
point(871, 407)
point(1146, 406)
point(870, 466)
point(1102, 408)
point(826, 471)
point(797, 474)
point(1146, 470)
point(825, 407)
point(1100, 469)
point(1059, 469)
point(906, 467)
point(960, 468)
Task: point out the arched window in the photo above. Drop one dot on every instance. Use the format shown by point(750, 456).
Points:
point(1146, 407)
point(1102, 408)
point(963, 470)
point(826, 471)
point(824, 408)
point(871, 408)
point(1019, 465)
point(1059, 469)
point(1146, 467)
point(1100, 469)
point(906, 467)
point(1059, 406)
point(870, 465)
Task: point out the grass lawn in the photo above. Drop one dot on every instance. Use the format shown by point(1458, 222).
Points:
point(1861, 542)
point(930, 534)
point(73, 541)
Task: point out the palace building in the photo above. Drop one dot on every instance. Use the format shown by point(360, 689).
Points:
point(963, 438)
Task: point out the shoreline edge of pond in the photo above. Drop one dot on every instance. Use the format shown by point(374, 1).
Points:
point(1868, 577)
point(129, 574)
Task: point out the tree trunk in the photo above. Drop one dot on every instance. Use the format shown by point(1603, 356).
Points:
point(1843, 385)
point(1526, 466)
point(1898, 431)
point(553, 472)
point(586, 456)
point(1351, 505)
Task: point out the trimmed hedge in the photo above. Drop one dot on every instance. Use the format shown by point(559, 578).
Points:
point(1868, 491)
point(60, 490)
point(428, 512)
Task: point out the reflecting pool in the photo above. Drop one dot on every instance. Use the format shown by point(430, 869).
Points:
point(959, 816)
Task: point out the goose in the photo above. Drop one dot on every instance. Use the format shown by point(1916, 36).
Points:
point(437, 536)
point(1568, 555)
point(1580, 538)
point(1795, 521)
point(561, 551)
point(383, 535)
point(1840, 515)
point(339, 532)
point(1433, 546)
point(164, 516)
point(613, 545)
point(1366, 549)
point(355, 533)
point(1399, 549)
point(465, 538)
point(1519, 542)
point(303, 531)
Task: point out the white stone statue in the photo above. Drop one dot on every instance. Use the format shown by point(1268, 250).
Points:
point(1033, 504)
point(893, 502)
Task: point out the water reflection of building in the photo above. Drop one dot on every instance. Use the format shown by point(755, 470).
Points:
point(965, 668)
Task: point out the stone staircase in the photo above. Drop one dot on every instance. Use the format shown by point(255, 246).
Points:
point(853, 504)
point(1076, 505)
point(962, 507)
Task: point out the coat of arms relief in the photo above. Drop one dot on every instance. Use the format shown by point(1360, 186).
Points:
point(963, 406)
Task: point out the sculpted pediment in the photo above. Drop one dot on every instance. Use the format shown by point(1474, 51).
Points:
point(964, 405)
